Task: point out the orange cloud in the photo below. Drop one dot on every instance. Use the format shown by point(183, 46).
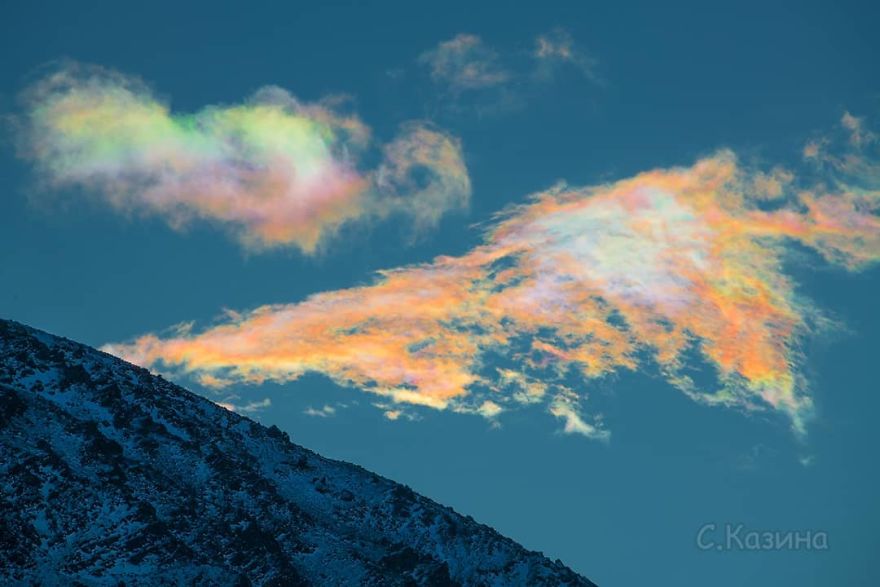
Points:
point(645, 272)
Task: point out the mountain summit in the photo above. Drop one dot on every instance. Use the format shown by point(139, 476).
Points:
point(112, 476)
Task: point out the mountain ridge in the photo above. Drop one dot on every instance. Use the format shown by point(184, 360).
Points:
point(110, 475)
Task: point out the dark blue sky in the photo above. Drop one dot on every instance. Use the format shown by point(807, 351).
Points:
point(675, 81)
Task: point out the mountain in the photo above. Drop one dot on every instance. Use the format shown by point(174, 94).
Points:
point(112, 476)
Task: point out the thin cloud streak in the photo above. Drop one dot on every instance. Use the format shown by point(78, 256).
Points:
point(275, 171)
point(326, 411)
point(248, 408)
point(665, 271)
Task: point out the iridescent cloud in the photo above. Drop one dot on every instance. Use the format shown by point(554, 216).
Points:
point(667, 270)
point(274, 170)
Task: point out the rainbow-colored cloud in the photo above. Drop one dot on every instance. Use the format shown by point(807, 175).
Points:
point(274, 170)
point(648, 271)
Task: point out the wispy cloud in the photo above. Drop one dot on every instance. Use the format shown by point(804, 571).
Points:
point(857, 161)
point(859, 136)
point(274, 170)
point(325, 411)
point(464, 63)
point(466, 67)
point(248, 408)
point(565, 406)
point(423, 175)
point(395, 411)
point(666, 270)
point(558, 48)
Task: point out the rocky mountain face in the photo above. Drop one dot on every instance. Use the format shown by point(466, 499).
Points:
point(112, 476)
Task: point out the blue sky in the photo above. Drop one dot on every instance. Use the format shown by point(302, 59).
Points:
point(648, 87)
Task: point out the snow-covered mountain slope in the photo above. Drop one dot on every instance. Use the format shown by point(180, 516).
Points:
point(109, 475)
